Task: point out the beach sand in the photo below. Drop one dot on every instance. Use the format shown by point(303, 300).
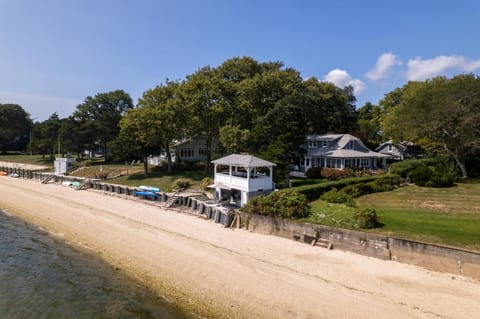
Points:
point(218, 272)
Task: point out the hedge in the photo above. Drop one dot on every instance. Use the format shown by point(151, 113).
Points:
point(313, 192)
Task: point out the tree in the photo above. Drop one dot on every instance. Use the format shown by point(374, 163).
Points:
point(144, 123)
point(369, 117)
point(15, 126)
point(202, 94)
point(170, 114)
point(98, 117)
point(44, 136)
point(440, 114)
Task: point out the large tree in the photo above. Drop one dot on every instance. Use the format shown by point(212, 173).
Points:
point(442, 115)
point(15, 126)
point(44, 136)
point(169, 110)
point(98, 117)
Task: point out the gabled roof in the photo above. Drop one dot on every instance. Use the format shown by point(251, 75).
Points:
point(338, 147)
point(241, 160)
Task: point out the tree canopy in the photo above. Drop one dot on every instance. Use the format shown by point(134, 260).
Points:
point(15, 126)
point(442, 115)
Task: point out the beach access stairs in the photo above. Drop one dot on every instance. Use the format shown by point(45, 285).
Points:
point(172, 200)
point(48, 179)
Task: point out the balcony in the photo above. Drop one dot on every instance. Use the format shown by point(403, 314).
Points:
point(242, 183)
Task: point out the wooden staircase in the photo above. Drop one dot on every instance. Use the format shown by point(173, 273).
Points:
point(48, 179)
point(173, 199)
point(84, 185)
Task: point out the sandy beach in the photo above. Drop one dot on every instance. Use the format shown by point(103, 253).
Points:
point(224, 273)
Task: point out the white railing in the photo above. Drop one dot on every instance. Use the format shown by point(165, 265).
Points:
point(243, 183)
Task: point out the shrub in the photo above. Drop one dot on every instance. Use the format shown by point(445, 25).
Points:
point(181, 183)
point(313, 172)
point(338, 197)
point(441, 179)
point(421, 175)
point(366, 218)
point(287, 204)
point(313, 192)
point(205, 182)
point(334, 174)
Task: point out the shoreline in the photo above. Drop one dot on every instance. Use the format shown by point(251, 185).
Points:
point(218, 272)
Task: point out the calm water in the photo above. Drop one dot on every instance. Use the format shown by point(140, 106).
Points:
point(42, 277)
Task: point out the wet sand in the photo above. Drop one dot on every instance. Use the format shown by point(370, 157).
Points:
point(224, 273)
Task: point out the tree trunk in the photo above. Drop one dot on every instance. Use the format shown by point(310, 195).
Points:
point(169, 159)
point(461, 165)
point(145, 164)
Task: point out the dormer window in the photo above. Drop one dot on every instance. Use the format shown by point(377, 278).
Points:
point(324, 143)
point(390, 148)
point(312, 144)
point(351, 145)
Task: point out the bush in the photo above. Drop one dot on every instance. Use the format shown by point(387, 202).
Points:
point(181, 183)
point(313, 172)
point(205, 182)
point(366, 218)
point(338, 197)
point(421, 175)
point(287, 204)
point(313, 192)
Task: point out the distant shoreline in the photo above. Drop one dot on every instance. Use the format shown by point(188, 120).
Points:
point(223, 273)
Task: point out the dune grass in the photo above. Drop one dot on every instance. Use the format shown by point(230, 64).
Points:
point(448, 216)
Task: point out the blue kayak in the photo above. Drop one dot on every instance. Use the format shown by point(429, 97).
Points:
point(149, 189)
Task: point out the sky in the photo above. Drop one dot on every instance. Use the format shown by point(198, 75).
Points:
point(55, 53)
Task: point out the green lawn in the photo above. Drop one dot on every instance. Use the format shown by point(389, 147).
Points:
point(161, 178)
point(27, 159)
point(441, 215)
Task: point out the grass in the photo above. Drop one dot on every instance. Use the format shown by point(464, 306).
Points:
point(448, 216)
point(27, 159)
point(161, 178)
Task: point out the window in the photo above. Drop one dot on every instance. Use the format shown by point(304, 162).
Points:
point(312, 144)
point(202, 151)
point(351, 145)
point(186, 152)
point(324, 143)
point(365, 162)
point(390, 148)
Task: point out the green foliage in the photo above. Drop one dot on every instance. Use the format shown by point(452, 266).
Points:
point(313, 192)
point(205, 182)
point(338, 197)
point(376, 186)
point(287, 204)
point(366, 218)
point(421, 175)
point(181, 183)
point(15, 125)
point(439, 114)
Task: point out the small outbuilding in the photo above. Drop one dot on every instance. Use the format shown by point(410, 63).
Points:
point(238, 178)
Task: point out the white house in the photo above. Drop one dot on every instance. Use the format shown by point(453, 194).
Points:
point(340, 151)
point(242, 177)
point(399, 151)
point(189, 150)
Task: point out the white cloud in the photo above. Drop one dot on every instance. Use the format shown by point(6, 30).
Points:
point(382, 67)
point(40, 107)
point(341, 78)
point(420, 69)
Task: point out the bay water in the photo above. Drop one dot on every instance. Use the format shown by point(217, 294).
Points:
point(42, 277)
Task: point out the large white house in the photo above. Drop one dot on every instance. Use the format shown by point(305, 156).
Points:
point(188, 150)
point(340, 151)
point(238, 178)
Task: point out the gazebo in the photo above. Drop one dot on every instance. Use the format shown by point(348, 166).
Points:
point(238, 178)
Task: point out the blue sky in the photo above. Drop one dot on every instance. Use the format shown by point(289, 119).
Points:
point(54, 53)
